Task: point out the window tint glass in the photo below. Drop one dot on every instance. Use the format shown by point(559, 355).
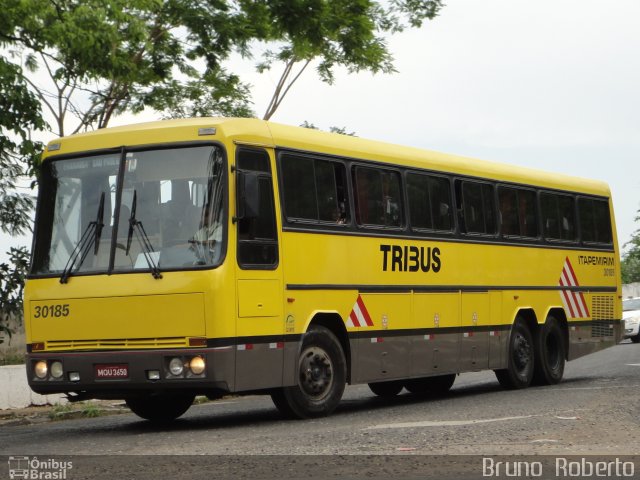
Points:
point(558, 216)
point(429, 202)
point(549, 212)
point(257, 237)
point(299, 188)
point(478, 209)
point(314, 189)
point(527, 213)
point(567, 217)
point(517, 212)
point(378, 197)
point(595, 221)
point(331, 191)
point(508, 202)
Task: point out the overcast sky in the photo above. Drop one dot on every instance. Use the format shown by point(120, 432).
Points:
point(546, 84)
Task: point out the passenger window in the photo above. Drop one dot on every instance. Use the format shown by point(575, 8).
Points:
point(558, 216)
point(476, 207)
point(595, 221)
point(299, 188)
point(508, 204)
point(429, 202)
point(517, 212)
point(378, 197)
point(314, 190)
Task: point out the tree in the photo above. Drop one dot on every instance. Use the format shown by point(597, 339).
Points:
point(19, 113)
point(12, 276)
point(90, 60)
point(630, 264)
point(347, 33)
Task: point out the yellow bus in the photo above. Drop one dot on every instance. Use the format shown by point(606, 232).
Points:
point(208, 256)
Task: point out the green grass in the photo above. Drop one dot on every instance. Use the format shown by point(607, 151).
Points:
point(60, 411)
point(75, 410)
point(91, 410)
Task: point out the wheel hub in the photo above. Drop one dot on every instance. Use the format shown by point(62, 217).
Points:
point(316, 372)
point(522, 352)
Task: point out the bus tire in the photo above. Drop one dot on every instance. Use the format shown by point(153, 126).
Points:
point(520, 361)
point(386, 389)
point(550, 353)
point(322, 374)
point(432, 386)
point(160, 408)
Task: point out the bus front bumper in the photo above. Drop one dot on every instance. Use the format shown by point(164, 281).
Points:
point(115, 374)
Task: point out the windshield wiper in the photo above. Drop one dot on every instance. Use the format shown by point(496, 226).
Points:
point(90, 237)
point(135, 226)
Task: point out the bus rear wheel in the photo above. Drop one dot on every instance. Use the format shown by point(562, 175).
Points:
point(431, 386)
point(160, 408)
point(550, 353)
point(322, 374)
point(386, 389)
point(520, 361)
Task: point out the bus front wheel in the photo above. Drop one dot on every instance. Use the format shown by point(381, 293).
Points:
point(520, 361)
point(322, 374)
point(160, 408)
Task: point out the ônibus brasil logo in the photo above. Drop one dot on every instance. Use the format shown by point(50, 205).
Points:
point(34, 469)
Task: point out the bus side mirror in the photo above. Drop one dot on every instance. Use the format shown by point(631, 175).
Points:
point(247, 195)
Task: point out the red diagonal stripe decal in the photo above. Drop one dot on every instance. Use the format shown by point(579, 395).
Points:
point(364, 311)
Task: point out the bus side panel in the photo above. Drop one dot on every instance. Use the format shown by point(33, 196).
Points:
point(435, 351)
point(474, 344)
point(498, 334)
point(383, 349)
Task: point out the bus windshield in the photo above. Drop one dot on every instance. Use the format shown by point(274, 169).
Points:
point(138, 210)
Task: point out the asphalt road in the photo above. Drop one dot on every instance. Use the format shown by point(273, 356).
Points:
point(594, 411)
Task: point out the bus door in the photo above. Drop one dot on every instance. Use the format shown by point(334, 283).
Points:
point(259, 327)
point(437, 316)
point(474, 341)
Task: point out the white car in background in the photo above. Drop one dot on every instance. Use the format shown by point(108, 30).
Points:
point(631, 317)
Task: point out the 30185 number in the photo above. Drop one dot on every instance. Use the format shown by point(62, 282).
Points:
point(59, 310)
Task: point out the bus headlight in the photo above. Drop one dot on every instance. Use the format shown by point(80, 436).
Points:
point(176, 366)
point(197, 365)
point(56, 369)
point(41, 369)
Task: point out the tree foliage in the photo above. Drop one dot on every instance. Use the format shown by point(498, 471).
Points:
point(19, 115)
point(345, 33)
point(631, 259)
point(90, 60)
point(12, 275)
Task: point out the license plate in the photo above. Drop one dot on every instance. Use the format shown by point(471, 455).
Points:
point(120, 370)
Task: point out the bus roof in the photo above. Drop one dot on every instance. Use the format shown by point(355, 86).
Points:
point(268, 134)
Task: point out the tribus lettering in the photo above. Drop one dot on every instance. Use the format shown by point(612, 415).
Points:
point(410, 258)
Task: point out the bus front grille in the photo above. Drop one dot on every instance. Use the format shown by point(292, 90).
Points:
point(118, 344)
